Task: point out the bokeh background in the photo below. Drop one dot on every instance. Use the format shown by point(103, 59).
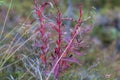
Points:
point(102, 54)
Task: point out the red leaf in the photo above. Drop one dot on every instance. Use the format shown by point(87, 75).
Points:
point(72, 60)
point(38, 12)
point(43, 58)
point(78, 53)
point(55, 28)
point(58, 42)
point(44, 5)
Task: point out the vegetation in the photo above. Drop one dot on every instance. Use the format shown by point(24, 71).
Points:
point(57, 40)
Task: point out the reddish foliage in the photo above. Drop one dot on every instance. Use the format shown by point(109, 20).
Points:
point(47, 25)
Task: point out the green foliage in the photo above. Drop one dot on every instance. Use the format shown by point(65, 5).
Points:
point(1, 3)
point(21, 7)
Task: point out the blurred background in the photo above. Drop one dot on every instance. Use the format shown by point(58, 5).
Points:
point(102, 56)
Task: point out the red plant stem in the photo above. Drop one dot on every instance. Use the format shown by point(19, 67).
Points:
point(79, 20)
point(41, 29)
point(59, 32)
point(71, 41)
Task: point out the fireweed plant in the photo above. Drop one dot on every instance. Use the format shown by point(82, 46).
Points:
point(57, 51)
